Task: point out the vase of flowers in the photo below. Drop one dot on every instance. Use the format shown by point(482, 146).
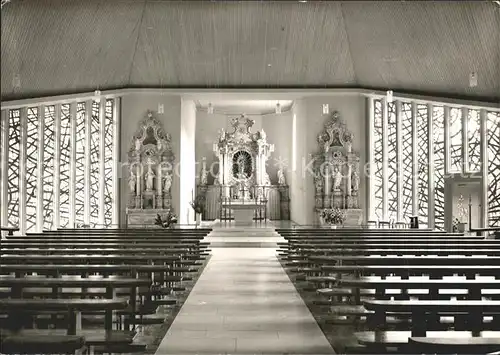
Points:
point(198, 206)
point(333, 217)
point(168, 221)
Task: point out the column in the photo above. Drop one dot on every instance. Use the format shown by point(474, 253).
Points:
point(4, 166)
point(72, 164)
point(465, 140)
point(399, 152)
point(86, 189)
point(57, 166)
point(430, 170)
point(446, 140)
point(40, 163)
point(22, 171)
point(385, 184)
point(117, 167)
point(483, 198)
point(414, 158)
point(102, 166)
point(369, 159)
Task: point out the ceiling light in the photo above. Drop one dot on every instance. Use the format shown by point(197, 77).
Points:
point(303, 1)
point(269, 65)
point(278, 108)
point(210, 109)
point(473, 80)
point(389, 96)
point(326, 109)
point(97, 96)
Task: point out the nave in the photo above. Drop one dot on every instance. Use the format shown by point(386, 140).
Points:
point(323, 291)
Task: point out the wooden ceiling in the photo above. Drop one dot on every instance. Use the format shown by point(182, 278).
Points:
point(50, 47)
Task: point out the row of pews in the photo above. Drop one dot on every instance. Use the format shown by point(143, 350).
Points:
point(76, 291)
point(399, 290)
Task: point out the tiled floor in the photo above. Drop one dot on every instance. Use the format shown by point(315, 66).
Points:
point(244, 303)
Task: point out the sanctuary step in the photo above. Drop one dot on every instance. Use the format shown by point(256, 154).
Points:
point(232, 236)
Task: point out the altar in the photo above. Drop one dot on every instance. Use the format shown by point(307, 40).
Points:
point(244, 212)
point(242, 189)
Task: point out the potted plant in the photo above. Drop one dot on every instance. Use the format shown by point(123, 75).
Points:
point(333, 217)
point(168, 221)
point(198, 206)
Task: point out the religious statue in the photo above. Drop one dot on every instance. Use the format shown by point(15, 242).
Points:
point(203, 175)
point(263, 135)
point(167, 183)
point(138, 144)
point(149, 179)
point(337, 179)
point(241, 169)
point(222, 136)
point(355, 181)
point(281, 177)
point(216, 179)
point(318, 182)
point(132, 183)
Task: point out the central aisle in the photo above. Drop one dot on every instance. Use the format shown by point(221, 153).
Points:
point(244, 303)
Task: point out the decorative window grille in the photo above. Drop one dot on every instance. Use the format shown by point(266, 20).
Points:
point(76, 151)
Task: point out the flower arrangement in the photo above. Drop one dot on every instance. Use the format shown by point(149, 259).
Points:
point(198, 205)
point(167, 222)
point(333, 216)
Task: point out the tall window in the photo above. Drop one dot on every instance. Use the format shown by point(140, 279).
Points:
point(493, 126)
point(438, 137)
point(73, 150)
point(377, 176)
point(413, 171)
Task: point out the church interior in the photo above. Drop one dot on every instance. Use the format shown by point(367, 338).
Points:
point(250, 177)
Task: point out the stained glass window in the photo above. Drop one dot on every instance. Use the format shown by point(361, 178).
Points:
point(48, 168)
point(438, 137)
point(377, 173)
point(80, 154)
point(13, 167)
point(474, 140)
point(455, 139)
point(95, 131)
point(392, 168)
point(32, 168)
point(423, 164)
point(64, 166)
point(88, 139)
point(406, 161)
point(493, 126)
point(109, 127)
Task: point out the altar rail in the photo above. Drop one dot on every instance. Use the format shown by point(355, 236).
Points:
point(277, 207)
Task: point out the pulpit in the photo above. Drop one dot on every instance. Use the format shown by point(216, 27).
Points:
point(151, 164)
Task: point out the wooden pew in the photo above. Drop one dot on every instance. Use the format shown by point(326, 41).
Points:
point(9, 230)
point(455, 345)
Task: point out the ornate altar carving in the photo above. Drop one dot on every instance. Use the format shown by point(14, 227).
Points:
point(242, 177)
point(150, 172)
point(242, 158)
point(336, 171)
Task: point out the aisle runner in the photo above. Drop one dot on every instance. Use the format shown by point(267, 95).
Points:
point(244, 303)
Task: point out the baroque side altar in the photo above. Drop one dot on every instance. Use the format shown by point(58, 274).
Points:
point(336, 172)
point(151, 164)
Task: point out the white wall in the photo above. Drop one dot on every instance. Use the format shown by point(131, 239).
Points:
point(310, 122)
point(134, 108)
point(188, 162)
point(279, 132)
